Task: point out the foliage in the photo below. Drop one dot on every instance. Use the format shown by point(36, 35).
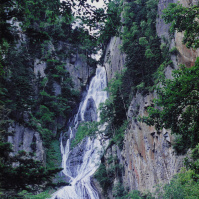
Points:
point(38, 28)
point(185, 184)
point(119, 192)
point(141, 45)
point(106, 174)
point(42, 195)
point(19, 172)
point(114, 111)
point(178, 99)
point(53, 155)
point(28, 174)
point(103, 177)
point(184, 19)
point(119, 135)
point(111, 23)
point(174, 50)
point(84, 129)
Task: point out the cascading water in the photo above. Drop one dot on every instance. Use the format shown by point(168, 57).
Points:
point(81, 171)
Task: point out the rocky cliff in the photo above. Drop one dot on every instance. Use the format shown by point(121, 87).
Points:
point(147, 156)
point(23, 136)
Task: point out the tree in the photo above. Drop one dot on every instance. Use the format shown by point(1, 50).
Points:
point(178, 102)
point(184, 19)
point(19, 172)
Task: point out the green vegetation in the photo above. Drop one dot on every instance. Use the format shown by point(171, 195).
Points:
point(41, 195)
point(111, 25)
point(53, 155)
point(177, 107)
point(179, 99)
point(107, 172)
point(144, 55)
point(44, 32)
point(85, 129)
point(27, 174)
point(42, 36)
point(184, 19)
point(114, 111)
point(141, 45)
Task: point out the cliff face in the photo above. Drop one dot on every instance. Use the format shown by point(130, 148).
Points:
point(78, 68)
point(185, 56)
point(147, 156)
point(26, 138)
point(114, 58)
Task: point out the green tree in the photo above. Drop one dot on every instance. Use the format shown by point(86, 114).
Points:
point(178, 102)
point(141, 46)
point(185, 184)
point(19, 172)
point(184, 19)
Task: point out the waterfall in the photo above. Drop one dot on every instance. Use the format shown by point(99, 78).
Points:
point(81, 163)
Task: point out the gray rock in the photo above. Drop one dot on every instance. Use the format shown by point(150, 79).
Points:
point(39, 67)
point(75, 158)
point(57, 88)
point(91, 111)
point(114, 58)
point(26, 139)
point(148, 157)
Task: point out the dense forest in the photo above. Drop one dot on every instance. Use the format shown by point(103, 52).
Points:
point(50, 33)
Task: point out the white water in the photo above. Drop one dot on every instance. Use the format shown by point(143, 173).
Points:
point(81, 187)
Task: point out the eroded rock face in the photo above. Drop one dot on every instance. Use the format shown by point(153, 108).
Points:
point(75, 159)
point(114, 58)
point(39, 67)
point(148, 155)
point(29, 140)
point(79, 70)
point(26, 139)
point(162, 29)
point(91, 110)
point(185, 56)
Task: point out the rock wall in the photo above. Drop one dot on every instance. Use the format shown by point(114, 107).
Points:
point(26, 139)
point(185, 56)
point(147, 156)
point(114, 58)
point(78, 68)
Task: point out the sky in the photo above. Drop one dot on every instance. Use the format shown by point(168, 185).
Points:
point(98, 4)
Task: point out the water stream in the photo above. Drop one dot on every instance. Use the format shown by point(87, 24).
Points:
point(80, 169)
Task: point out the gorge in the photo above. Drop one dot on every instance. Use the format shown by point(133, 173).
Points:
point(122, 127)
point(80, 169)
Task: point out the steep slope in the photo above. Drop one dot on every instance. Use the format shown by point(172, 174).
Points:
point(147, 157)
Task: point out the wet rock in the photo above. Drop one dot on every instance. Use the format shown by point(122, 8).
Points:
point(91, 111)
point(75, 159)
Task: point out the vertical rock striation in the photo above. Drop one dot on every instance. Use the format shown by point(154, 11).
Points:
point(114, 59)
point(147, 156)
point(26, 139)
